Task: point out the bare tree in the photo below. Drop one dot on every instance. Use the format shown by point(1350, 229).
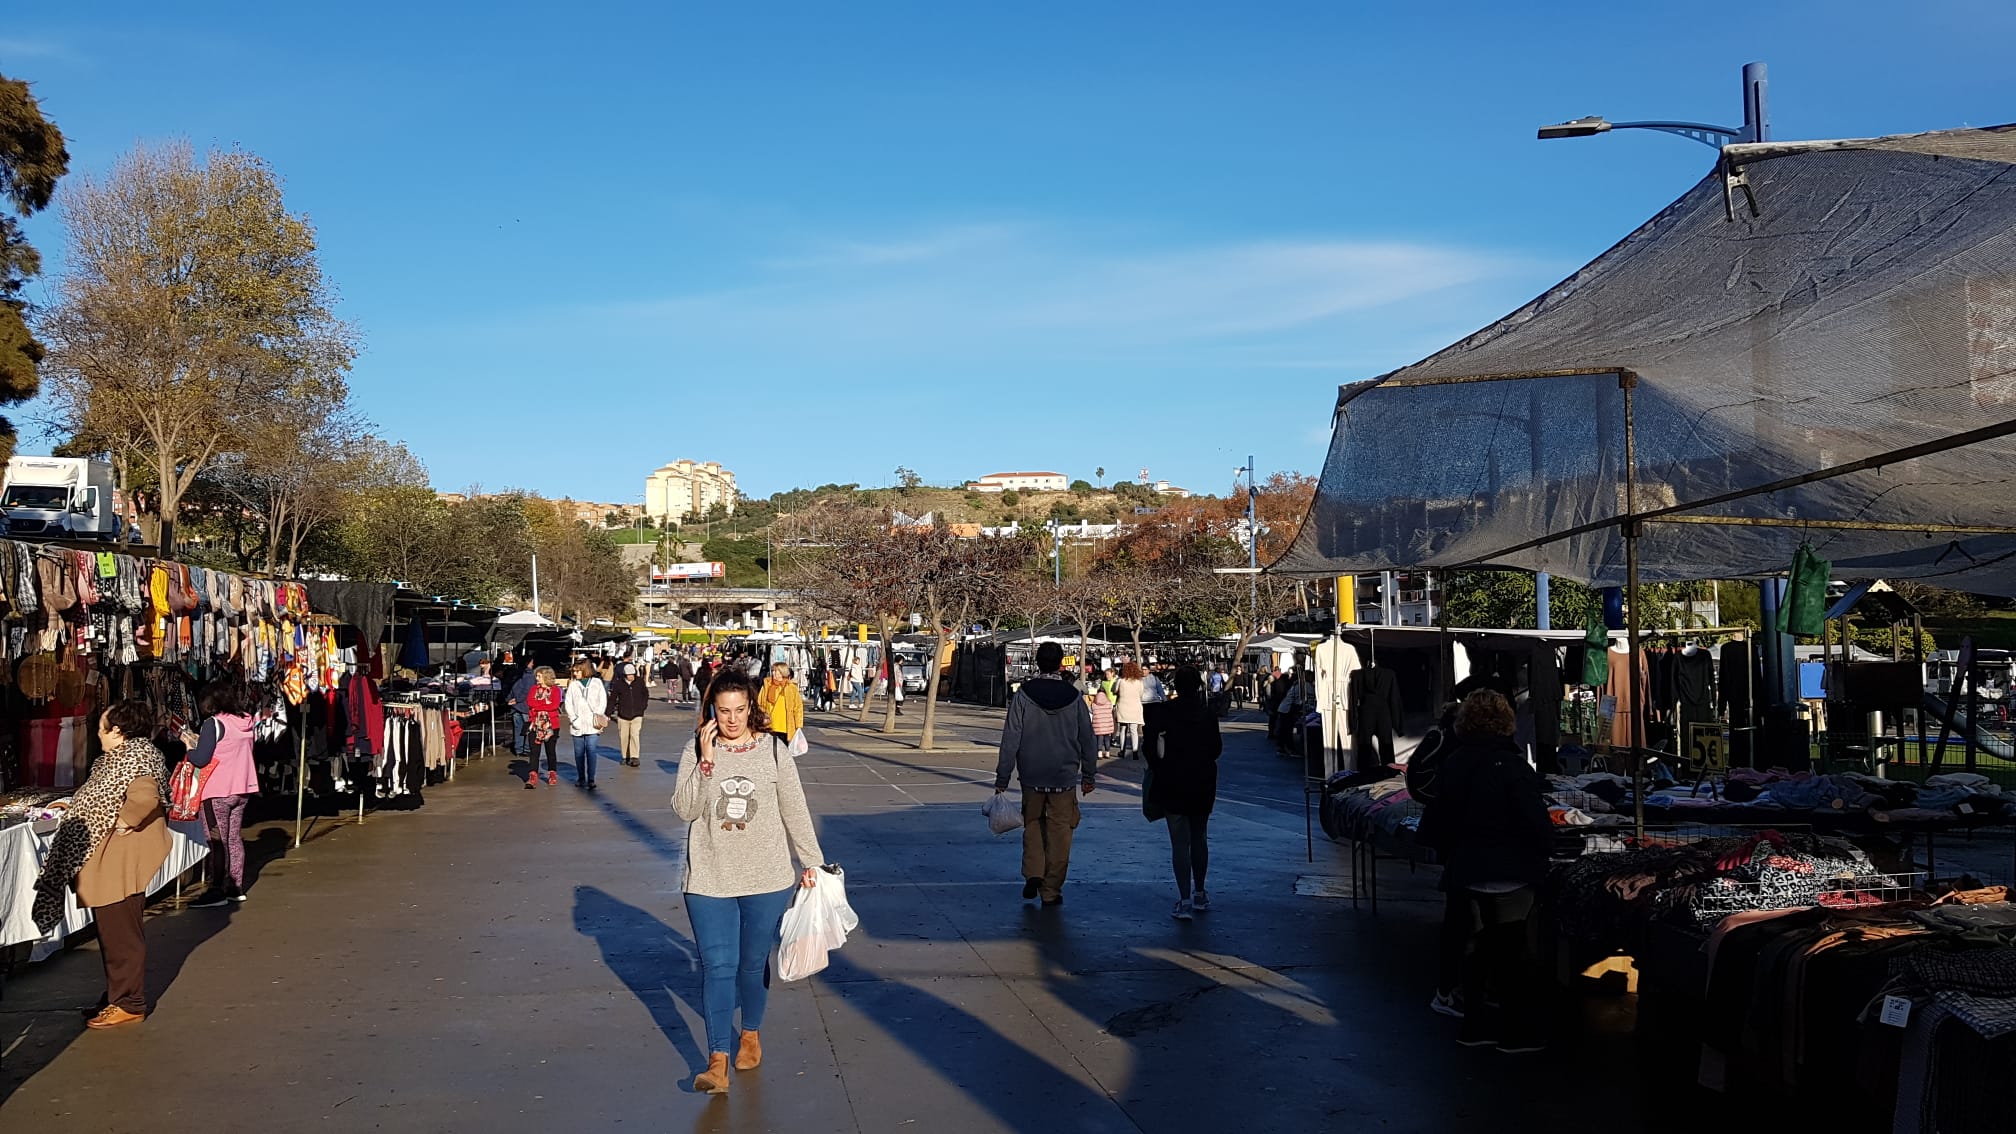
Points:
point(304, 470)
point(954, 577)
point(1032, 597)
point(860, 574)
point(1139, 593)
point(191, 306)
point(1085, 602)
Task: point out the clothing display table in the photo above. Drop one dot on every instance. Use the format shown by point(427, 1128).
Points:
point(22, 848)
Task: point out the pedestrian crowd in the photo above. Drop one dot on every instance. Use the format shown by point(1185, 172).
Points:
point(751, 844)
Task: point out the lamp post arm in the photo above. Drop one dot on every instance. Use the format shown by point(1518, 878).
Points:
point(1714, 137)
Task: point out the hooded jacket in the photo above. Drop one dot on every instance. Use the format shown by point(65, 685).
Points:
point(629, 696)
point(1047, 739)
point(521, 691)
point(1488, 822)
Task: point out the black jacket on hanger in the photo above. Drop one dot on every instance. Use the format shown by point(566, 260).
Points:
point(1376, 711)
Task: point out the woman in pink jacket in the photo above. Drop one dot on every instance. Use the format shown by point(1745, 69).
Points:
point(230, 779)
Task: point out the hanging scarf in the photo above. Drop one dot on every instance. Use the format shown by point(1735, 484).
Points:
point(94, 811)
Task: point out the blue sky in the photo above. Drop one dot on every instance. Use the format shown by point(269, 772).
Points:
point(817, 241)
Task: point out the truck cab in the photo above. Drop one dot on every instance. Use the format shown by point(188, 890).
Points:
point(59, 498)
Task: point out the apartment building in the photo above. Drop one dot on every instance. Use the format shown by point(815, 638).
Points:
point(684, 487)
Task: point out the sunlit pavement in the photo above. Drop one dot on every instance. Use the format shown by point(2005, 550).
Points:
point(508, 960)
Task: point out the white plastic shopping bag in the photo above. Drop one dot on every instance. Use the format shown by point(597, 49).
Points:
point(1003, 813)
point(816, 924)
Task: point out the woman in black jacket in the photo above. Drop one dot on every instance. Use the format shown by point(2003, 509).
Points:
point(1489, 826)
point(1182, 744)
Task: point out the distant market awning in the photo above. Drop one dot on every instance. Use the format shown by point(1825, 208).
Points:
point(1819, 344)
point(513, 628)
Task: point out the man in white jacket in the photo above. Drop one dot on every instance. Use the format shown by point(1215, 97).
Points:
point(586, 705)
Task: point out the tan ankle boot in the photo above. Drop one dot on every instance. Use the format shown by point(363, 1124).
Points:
point(714, 1080)
point(751, 1055)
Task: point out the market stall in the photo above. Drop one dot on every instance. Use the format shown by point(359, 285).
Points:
point(82, 629)
point(1803, 369)
point(23, 845)
point(1649, 419)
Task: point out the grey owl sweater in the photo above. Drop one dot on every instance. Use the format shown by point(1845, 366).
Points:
point(744, 821)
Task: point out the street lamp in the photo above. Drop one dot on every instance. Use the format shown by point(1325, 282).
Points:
point(1756, 120)
point(1252, 543)
point(1756, 128)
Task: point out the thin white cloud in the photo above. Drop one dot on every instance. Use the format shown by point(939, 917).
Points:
point(16, 48)
point(1049, 294)
point(868, 253)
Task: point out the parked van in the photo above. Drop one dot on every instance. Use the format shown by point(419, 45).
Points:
point(59, 498)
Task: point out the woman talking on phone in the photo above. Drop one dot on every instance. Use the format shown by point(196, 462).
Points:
point(746, 817)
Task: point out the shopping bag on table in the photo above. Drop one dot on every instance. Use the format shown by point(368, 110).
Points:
point(1003, 813)
point(816, 924)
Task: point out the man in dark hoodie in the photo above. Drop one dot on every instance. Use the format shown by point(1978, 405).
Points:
point(1048, 743)
point(521, 709)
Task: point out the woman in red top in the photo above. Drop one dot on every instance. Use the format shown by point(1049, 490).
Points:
point(542, 726)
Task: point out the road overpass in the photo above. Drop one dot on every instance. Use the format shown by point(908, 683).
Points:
point(755, 608)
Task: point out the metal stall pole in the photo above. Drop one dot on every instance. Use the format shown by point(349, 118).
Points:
point(447, 659)
point(1628, 381)
point(301, 776)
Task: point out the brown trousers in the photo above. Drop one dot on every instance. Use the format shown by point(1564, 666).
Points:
point(123, 945)
point(1048, 818)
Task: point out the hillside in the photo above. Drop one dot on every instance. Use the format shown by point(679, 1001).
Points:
point(957, 505)
point(742, 541)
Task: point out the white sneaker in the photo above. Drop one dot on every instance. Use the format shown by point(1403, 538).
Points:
point(1182, 911)
point(1200, 901)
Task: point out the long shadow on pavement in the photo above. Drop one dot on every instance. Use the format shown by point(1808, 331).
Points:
point(657, 963)
point(40, 1019)
point(1014, 1080)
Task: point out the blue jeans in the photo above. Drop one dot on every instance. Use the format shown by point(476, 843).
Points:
point(584, 759)
point(518, 742)
point(736, 936)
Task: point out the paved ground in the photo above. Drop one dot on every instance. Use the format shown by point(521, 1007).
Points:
point(505, 960)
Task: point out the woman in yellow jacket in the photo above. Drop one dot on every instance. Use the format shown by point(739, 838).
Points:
point(781, 703)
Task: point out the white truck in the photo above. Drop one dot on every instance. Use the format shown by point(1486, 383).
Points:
point(59, 498)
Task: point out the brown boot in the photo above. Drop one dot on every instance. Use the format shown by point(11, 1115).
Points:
point(751, 1055)
point(714, 1080)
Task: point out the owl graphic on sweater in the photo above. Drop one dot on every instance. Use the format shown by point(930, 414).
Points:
point(737, 804)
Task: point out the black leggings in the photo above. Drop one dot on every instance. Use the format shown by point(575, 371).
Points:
point(1188, 852)
point(1498, 927)
point(551, 747)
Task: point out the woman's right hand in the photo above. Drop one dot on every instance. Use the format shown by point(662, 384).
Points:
point(708, 732)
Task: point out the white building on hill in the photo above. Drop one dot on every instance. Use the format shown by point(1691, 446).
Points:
point(1021, 482)
point(688, 486)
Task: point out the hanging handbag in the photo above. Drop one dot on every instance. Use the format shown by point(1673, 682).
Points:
point(1150, 810)
point(185, 790)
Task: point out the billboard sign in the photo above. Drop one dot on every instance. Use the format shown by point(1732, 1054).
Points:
point(675, 572)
